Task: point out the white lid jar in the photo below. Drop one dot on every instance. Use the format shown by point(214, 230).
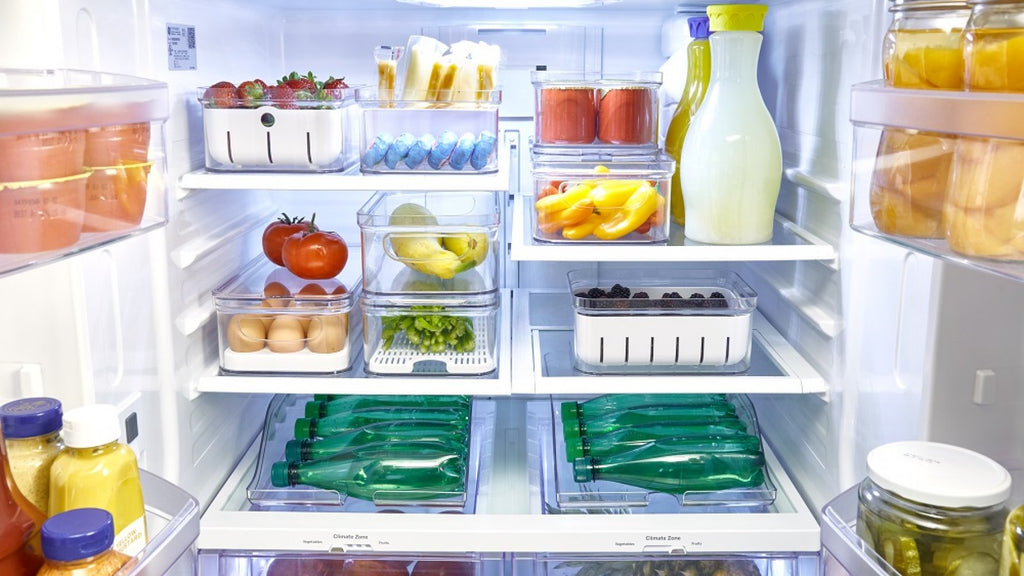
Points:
point(931, 508)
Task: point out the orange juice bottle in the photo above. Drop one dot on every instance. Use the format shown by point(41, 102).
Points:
point(921, 51)
point(988, 173)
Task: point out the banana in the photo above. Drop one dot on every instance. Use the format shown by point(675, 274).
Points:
point(470, 247)
point(422, 252)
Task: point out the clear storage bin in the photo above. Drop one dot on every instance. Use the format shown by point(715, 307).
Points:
point(563, 494)
point(317, 135)
point(430, 243)
point(271, 321)
point(689, 321)
point(449, 335)
point(429, 137)
point(602, 113)
point(279, 429)
point(81, 160)
point(260, 563)
point(599, 198)
point(651, 564)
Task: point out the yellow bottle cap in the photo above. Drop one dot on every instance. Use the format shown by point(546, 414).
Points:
point(736, 17)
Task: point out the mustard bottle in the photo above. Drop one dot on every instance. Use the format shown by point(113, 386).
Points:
point(96, 470)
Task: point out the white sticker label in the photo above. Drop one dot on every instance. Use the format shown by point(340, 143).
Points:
point(132, 539)
point(181, 47)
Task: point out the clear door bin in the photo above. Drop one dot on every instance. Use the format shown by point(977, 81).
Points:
point(429, 136)
point(658, 562)
point(243, 563)
point(81, 161)
point(172, 521)
point(844, 553)
point(661, 322)
point(271, 321)
point(273, 135)
point(611, 114)
point(567, 451)
point(431, 336)
point(601, 199)
point(436, 243)
point(291, 435)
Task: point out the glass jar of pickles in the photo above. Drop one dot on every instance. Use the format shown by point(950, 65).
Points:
point(982, 215)
point(921, 50)
point(931, 509)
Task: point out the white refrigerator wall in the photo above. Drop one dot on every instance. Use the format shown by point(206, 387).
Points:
point(910, 348)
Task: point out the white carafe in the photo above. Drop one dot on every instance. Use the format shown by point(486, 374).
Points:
point(731, 162)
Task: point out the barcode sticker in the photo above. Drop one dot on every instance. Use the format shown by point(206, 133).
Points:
point(181, 47)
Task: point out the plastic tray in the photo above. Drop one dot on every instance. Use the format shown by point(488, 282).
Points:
point(678, 334)
point(265, 293)
point(562, 494)
point(429, 137)
point(269, 135)
point(278, 429)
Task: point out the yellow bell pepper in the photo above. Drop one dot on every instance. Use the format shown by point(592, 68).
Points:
point(583, 229)
point(551, 222)
point(613, 193)
point(558, 202)
point(636, 210)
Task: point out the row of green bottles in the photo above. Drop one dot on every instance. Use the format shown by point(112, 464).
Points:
point(616, 441)
point(331, 406)
point(605, 422)
point(454, 433)
point(402, 470)
point(345, 421)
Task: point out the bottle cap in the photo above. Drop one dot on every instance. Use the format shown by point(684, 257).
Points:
point(293, 450)
point(90, 426)
point(304, 428)
point(573, 448)
point(76, 534)
point(939, 474)
point(737, 17)
point(279, 474)
point(583, 469)
point(699, 27)
point(570, 412)
point(30, 417)
point(314, 409)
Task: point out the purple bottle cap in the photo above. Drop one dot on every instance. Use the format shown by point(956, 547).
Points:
point(700, 27)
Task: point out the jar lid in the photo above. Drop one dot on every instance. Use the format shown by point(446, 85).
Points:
point(939, 474)
point(77, 534)
point(30, 417)
point(699, 27)
point(737, 17)
point(89, 426)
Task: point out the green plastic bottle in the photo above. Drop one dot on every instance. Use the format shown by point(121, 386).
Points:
point(676, 466)
point(646, 415)
point(453, 433)
point(628, 438)
point(340, 423)
point(619, 402)
point(401, 471)
point(319, 409)
point(698, 76)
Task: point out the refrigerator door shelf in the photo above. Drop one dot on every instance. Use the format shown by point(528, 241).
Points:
point(843, 551)
point(172, 520)
point(352, 180)
point(789, 242)
point(358, 381)
point(788, 526)
point(543, 338)
point(922, 128)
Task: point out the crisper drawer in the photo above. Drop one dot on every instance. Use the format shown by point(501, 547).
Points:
point(650, 565)
point(245, 563)
point(506, 509)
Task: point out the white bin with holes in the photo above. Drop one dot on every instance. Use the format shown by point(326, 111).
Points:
point(664, 322)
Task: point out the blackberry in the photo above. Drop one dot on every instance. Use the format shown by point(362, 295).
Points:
point(580, 295)
point(718, 300)
point(618, 291)
point(595, 293)
point(641, 295)
point(666, 295)
point(696, 295)
point(717, 295)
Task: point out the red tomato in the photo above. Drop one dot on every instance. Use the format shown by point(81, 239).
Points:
point(277, 232)
point(315, 254)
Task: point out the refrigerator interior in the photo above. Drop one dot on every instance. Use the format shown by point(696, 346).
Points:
point(905, 346)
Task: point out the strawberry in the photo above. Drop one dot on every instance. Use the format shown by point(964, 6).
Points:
point(220, 95)
point(282, 96)
point(333, 89)
point(249, 91)
point(263, 85)
point(333, 83)
point(299, 84)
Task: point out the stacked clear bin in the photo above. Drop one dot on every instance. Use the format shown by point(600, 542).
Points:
point(81, 161)
point(430, 136)
point(272, 322)
point(430, 282)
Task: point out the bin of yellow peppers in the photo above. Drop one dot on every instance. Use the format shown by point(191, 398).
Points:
point(601, 202)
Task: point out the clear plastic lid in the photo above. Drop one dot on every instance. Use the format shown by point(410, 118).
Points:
point(561, 79)
point(77, 534)
point(29, 417)
point(262, 280)
point(600, 166)
point(939, 474)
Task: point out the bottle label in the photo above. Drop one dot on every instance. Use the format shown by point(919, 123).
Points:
point(132, 539)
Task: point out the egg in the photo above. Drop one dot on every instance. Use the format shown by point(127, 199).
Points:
point(276, 295)
point(328, 333)
point(246, 333)
point(286, 335)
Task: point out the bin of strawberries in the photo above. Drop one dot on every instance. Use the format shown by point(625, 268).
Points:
point(297, 123)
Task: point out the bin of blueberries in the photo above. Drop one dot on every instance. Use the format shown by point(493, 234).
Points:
point(421, 136)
